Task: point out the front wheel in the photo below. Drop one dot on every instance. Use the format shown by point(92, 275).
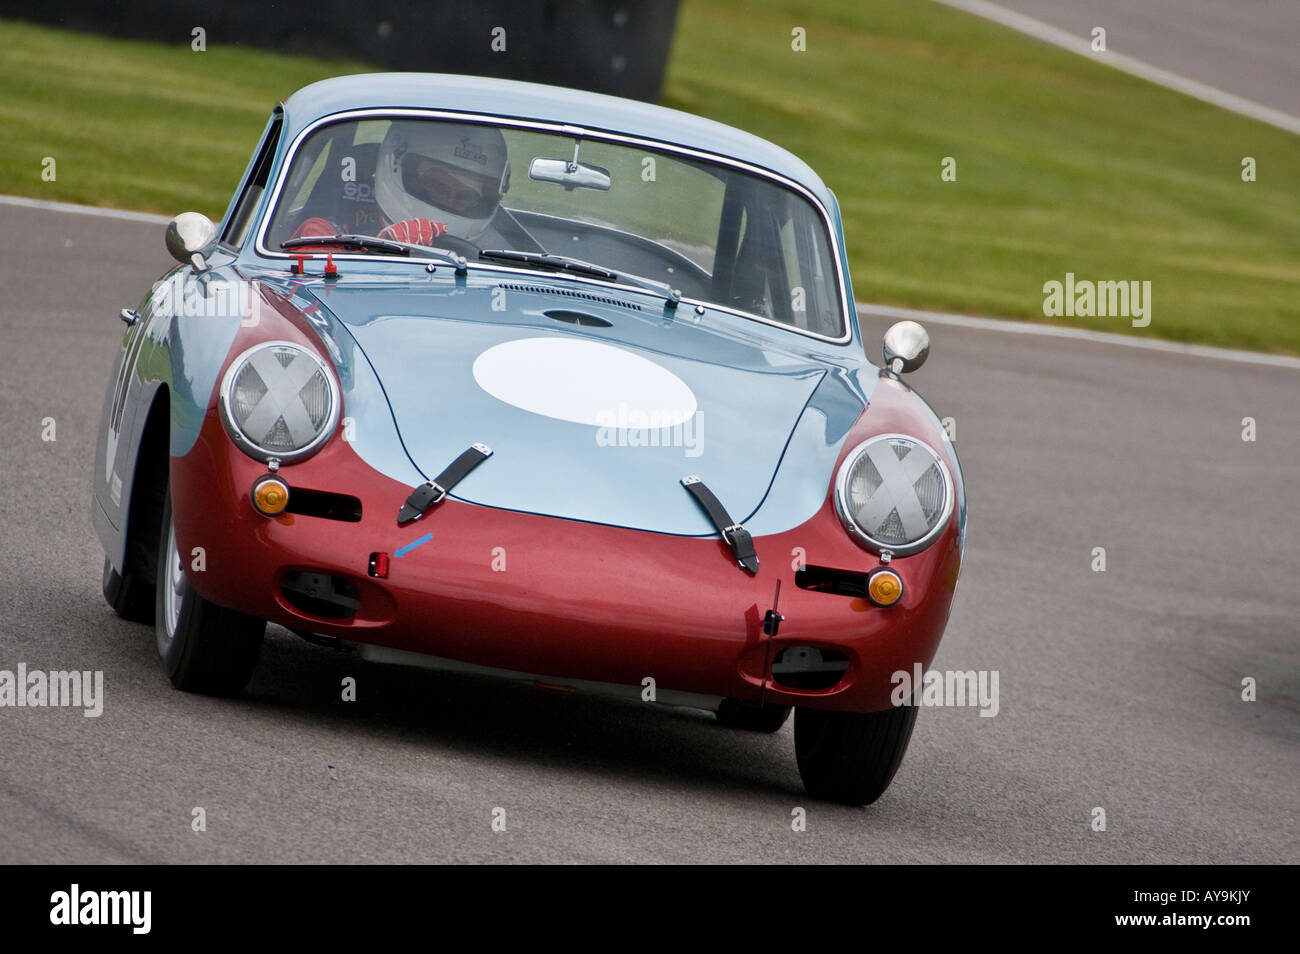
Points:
point(851, 757)
point(204, 647)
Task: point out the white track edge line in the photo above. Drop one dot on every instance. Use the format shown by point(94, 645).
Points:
point(887, 311)
point(1028, 327)
point(25, 203)
point(1039, 30)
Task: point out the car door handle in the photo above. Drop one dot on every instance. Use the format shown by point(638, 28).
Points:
point(129, 315)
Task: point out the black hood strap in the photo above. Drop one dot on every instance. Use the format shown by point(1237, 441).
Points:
point(737, 537)
point(428, 494)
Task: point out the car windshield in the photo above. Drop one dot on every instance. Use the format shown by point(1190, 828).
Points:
point(713, 232)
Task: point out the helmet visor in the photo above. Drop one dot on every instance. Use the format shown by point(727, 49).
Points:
point(456, 190)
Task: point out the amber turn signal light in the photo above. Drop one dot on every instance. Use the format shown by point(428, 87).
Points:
point(884, 587)
point(270, 495)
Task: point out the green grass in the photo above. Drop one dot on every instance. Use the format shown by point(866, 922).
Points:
point(137, 125)
point(1062, 163)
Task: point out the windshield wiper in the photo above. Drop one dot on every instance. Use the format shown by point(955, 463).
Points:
point(370, 243)
point(546, 260)
point(562, 263)
point(672, 297)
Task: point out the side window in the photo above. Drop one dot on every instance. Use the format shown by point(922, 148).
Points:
point(242, 217)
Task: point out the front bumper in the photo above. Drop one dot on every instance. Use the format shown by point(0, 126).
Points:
point(557, 598)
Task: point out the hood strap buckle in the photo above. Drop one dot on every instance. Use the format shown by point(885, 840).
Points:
point(434, 491)
point(736, 536)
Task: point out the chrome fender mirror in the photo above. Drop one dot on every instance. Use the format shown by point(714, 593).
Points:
point(906, 346)
point(190, 236)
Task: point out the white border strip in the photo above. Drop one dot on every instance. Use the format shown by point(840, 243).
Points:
point(25, 203)
point(1077, 44)
point(1027, 327)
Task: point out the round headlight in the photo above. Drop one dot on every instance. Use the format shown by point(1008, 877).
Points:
point(893, 493)
point(278, 400)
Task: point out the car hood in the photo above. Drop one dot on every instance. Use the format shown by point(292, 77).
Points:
point(595, 421)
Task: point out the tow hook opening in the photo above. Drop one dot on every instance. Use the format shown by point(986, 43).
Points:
point(321, 594)
point(809, 667)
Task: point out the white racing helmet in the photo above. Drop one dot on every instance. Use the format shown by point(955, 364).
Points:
point(454, 173)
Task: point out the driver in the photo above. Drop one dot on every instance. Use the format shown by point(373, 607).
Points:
point(439, 178)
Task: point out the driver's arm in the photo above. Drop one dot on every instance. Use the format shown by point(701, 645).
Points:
point(414, 231)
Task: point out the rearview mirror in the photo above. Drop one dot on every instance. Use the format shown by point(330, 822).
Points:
point(190, 236)
point(571, 175)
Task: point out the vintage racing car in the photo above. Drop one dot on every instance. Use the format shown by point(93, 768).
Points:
point(503, 377)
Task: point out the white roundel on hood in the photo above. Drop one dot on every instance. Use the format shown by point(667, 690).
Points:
point(585, 382)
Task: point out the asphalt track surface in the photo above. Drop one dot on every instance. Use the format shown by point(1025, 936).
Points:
point(1118, 689)
point(1250, 48)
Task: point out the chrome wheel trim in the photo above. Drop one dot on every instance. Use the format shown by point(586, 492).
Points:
point(174, 583)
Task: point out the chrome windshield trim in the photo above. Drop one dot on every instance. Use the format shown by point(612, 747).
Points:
point(569, 130)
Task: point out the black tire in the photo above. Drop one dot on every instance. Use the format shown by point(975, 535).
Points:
point(739, 714)
point(851, 757)
point(131, 598)
point(203, 647)
point(131, 592)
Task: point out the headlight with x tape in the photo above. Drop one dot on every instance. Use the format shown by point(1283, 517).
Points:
point(893, 493)
point(279, 401)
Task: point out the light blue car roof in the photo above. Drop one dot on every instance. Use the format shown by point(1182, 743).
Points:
point(510, 98)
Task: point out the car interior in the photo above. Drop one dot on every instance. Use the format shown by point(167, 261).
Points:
point(751, 267)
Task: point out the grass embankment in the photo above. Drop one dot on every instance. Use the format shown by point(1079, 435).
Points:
point(1063, 165)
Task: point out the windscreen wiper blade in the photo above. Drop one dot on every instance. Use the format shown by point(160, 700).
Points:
point(562, 263)
point(391, 246)
point(368, 242)
point(671, 295)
